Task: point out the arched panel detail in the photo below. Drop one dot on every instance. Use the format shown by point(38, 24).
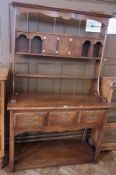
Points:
point(22, 44)
point(97, 49)
point(36, 44)
point(86, 48)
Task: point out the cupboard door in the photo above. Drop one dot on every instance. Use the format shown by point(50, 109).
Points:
point(75, 47)
point(63, 46)
point(49, 44)
point(65, 118)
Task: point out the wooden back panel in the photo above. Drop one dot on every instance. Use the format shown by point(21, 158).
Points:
point(53, 68)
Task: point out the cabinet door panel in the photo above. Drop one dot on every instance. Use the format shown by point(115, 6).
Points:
point(49, 44)
point(75, 47)
point(63, 46)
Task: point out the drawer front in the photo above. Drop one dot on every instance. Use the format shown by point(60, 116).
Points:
point(29, 119)
point(92, 117)
point(65, 118)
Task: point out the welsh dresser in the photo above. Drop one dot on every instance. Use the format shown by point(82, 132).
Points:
point(57, 65)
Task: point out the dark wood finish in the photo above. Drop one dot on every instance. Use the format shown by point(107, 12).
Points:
point(40, 102)
point(49, 44)
point(29, 119)
point(57, 113)
point(11, 146)
point(75, 47)
point(62, 152)
point(43, 35)
point(92, 117)
point(65, 118)
point(57, 44)
point(62, 45)
point(58, 56)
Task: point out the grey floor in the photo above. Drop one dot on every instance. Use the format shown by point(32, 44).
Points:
point(105, 166)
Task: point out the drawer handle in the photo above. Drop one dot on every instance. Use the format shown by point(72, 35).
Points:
point(30, 120)
point(92, 118)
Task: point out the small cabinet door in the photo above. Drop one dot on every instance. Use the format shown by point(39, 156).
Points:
point(75, 47)
point(49, 44)
point(63, 46)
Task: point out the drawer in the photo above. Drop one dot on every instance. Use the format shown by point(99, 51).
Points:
point(29, 119)
point(65, 118)
point(92, 117)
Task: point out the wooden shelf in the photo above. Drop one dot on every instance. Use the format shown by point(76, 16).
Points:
point(58, 56)
point(67, 151)
point(54, 76)
point(57, 102)
point(73, 36)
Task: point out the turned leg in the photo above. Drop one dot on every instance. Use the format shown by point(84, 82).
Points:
point(96, 138)
point(98, 146)
point(11, 143)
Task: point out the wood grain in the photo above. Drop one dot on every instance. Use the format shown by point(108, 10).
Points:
point(41, 154)
point(3, 73)
point(3, 77)
point(50, 102)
